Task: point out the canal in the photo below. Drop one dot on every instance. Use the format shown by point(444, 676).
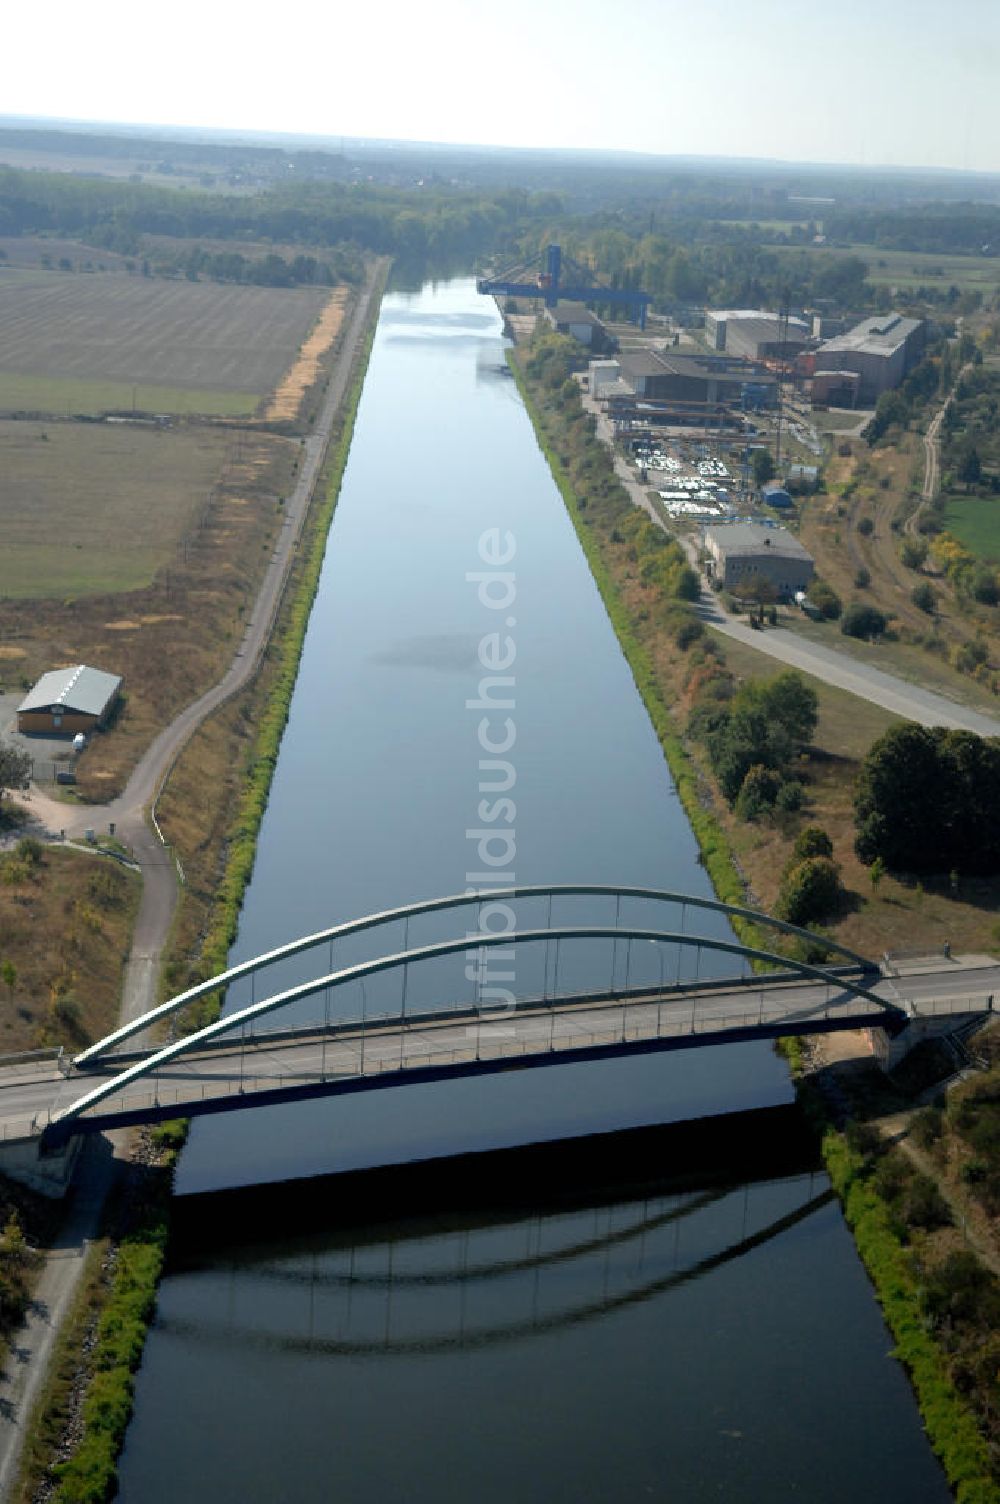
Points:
point(678, 1343)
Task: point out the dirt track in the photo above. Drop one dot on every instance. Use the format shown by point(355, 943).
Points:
point(20, 1382)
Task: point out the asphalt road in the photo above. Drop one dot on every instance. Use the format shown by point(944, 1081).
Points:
point(868, 682)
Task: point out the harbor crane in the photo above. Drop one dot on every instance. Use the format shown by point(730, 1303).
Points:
point(543, 278)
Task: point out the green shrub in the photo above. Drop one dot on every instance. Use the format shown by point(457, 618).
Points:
point(862, 621)
point(924, 597)
point(812, 841)
point(913, 552)
point(688, 633)
point(758, 792)
point(810, 891)
point(825, 599)
point(923, 1205)
point(791, 796)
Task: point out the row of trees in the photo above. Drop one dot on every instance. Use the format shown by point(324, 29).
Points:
point(408, 223)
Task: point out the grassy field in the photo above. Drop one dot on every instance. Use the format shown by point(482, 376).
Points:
point(68, 398)
point(173, 338)
point(912, 268)
point(975, 521)
point(90, 508)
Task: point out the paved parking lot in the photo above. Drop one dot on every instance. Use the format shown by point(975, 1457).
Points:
point(48, 753)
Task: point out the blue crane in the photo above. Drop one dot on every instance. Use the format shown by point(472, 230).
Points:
point(548, 285)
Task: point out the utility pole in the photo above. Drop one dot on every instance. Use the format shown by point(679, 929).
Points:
point(782, 342)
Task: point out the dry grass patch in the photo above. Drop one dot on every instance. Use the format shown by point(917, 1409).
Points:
point(65, 925)
point(286, 404)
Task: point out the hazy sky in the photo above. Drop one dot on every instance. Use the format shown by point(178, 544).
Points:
point(903, 82)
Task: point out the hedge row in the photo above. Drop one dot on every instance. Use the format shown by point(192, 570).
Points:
point(89, 1476)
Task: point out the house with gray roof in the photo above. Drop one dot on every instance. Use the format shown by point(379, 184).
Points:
point(742, 553)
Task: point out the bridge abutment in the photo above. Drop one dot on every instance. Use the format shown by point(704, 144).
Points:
point(891, 1049)
point(46, 1171)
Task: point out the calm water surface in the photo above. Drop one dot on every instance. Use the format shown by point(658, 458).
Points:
point(686, 1347)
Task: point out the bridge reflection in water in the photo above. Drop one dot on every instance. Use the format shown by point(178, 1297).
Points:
point(419, 1293)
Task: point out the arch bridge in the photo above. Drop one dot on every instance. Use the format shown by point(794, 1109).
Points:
point(571, 992)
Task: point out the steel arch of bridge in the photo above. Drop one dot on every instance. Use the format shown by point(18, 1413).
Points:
point(62, 1123)
point(455, 901)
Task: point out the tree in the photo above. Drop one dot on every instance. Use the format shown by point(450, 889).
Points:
point(762, 464)
point(809, 891)
point(8, 971)
point(925, 801)
point(15, 769)
point(970, 468)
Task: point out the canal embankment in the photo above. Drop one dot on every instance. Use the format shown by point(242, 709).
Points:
point(651, 632)
point(75, 1433)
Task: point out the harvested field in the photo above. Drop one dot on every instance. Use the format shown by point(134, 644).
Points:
point(93, 508)
point(174, 337)
point(287, 400)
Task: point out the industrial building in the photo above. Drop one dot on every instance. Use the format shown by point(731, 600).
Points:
point(68, 700)
point(669, 377)
point(836, 388)
point(755, 334)
point(881, 351)
point(578, 321)
point(741, 553)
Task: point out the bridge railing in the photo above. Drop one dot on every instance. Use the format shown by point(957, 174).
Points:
point(404, 914)
point(893, 1014)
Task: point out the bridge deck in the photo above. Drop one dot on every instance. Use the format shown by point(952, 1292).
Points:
point(294, 1065)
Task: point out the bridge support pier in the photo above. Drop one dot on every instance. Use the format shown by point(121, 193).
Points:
point(48, 1172)
point(890, 1049)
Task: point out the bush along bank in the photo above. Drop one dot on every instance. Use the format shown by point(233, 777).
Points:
point(650, 622)
point(913, 1302)
point(140, 1222)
